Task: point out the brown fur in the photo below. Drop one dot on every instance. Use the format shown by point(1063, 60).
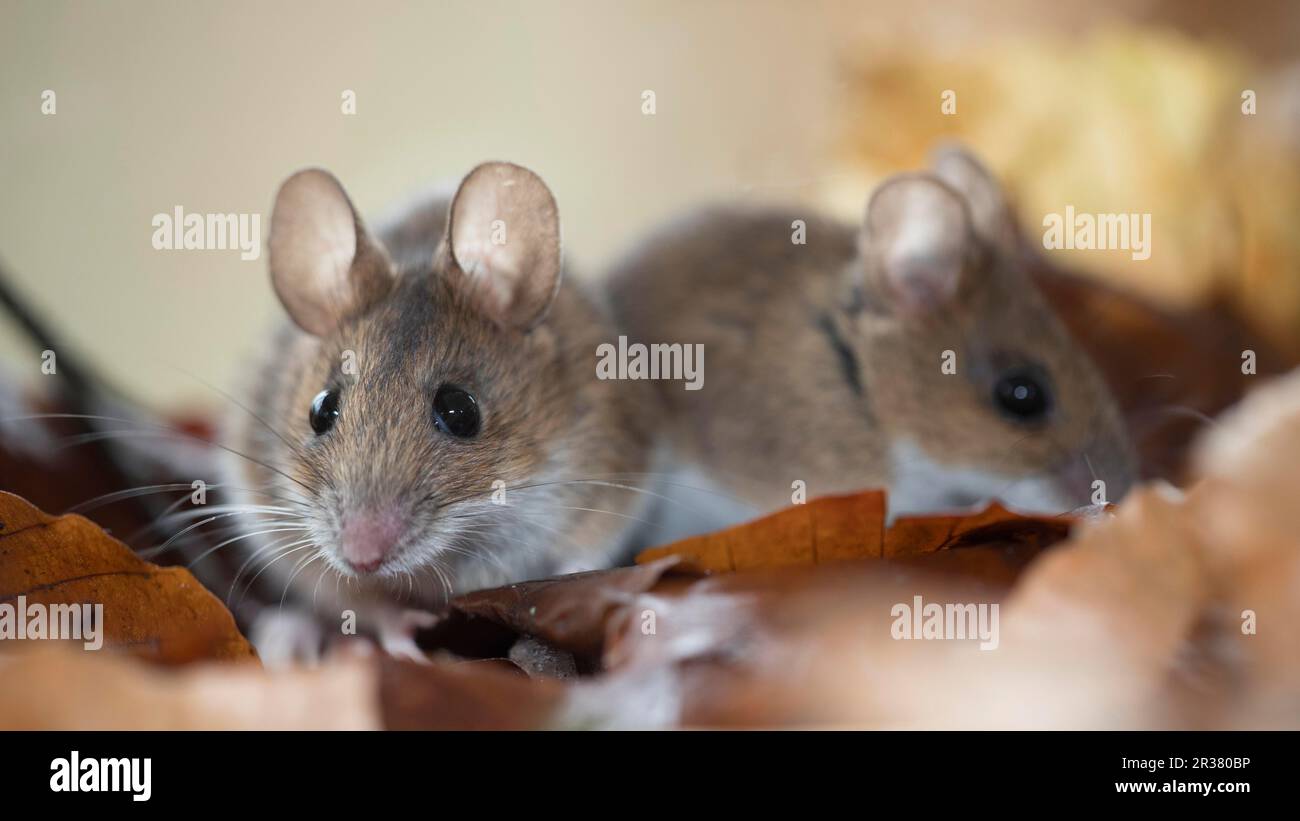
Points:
point(545, 419)
point(812, 372)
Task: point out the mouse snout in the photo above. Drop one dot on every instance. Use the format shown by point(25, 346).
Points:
point(369, 536)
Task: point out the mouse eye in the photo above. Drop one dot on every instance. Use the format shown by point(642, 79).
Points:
point(1023, 396)
point(324, 411)
point(455, 412)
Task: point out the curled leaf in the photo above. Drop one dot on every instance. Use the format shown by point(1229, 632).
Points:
point(162, 614)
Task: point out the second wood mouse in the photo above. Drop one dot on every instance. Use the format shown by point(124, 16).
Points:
point(911, 352)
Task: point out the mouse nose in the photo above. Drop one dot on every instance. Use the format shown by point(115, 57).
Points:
point(368, 537)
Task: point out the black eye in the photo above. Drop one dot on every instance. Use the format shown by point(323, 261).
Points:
point(455, 412)
point(1023, 395)
point(324, 411)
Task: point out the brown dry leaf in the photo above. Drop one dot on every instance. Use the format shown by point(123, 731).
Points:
point(466, 696)
point(1252, 542)
point(766, 647)
point(47, 687)
point(1094, 634)
point(834, 528)
point(1134, 622)
point(1139, 621)
point(1097, 633)
point(55, 688)
point(995, 524)
point(162, 614)
point(568, 612)
point(825, 529)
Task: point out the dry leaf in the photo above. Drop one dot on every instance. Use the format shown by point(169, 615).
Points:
point(474, 696)
point(162, 614)
point(54, 688)
point(834, 528)
point(568, 612)
point(825, 529)
point(1134, 622)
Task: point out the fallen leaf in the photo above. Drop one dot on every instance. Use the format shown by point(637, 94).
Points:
point(162, 614)
point(464, 697)
point(835, 528)
point(824, 529)
point(47, 687)
point(568, 612)
point(995, 524)
point(1134, 621)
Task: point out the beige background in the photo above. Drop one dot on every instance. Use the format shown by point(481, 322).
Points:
point(210, 105)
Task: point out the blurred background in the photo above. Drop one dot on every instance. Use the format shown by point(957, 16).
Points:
point(1110, 107)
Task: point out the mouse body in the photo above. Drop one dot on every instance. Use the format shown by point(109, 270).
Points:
point(430, 422)
point(911, 352)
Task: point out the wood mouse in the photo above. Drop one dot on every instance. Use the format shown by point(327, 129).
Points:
point(430, 421)
point(911, 352)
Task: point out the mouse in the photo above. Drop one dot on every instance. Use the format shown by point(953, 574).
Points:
point(909, 352)
point(426, 421)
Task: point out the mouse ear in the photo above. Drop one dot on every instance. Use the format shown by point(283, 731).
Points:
point(324, 265)
point(916, 242)
point(990, 214)
point(503, 233)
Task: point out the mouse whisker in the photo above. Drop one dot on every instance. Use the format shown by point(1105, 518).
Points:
point(207, 510)
point(256, 554)
point(241, 537)
point(315, 593)
point(309, 544)
point(436, 567)
point(599, 510)
point(154, 428)
point(154, 551)
point(606, 483)
point(158, 521)
point(128, 493)
point(291, 445)
point(162, 431)
point(471, 541)
point(298, 568)
point(602, 483)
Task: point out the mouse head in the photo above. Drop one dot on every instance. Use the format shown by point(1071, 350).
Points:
point(981, 389)
point(413, 392)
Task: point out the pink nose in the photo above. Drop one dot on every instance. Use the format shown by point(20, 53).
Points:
point(368, 537)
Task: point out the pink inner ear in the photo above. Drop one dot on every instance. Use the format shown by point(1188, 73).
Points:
point(493, 269)
point(918, 234)
point(515, 279)
point(313, 245)
point(922, 283)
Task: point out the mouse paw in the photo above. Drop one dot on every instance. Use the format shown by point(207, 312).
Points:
point(285, 638)
point(397, 631)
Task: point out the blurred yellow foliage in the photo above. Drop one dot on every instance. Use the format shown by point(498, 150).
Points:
point(1122, 121)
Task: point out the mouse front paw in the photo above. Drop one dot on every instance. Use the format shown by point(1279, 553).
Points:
point(397, 629)
point(286, 638)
